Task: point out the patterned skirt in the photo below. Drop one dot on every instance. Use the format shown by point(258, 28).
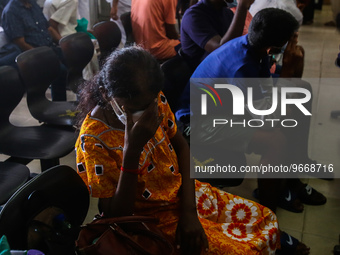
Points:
point(233, 225)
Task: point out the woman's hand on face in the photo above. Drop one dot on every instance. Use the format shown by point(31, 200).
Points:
point(139, 133)
point(190, 235)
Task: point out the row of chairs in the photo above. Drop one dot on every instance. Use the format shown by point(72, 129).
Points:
point(55, 136)
point(47, 143)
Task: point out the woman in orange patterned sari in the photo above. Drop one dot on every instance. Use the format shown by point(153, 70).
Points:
point(132, 158)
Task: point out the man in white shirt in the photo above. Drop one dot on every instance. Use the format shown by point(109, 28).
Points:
point(287, 5)
point(62, 16)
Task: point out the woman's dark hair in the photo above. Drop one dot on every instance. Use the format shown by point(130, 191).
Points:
point(271, 27)
point(123, 75)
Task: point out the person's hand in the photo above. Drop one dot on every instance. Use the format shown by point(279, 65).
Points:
point(293, 57)
point(139, 133)
point(113, 13)
point(190, 235)
point(245, 3)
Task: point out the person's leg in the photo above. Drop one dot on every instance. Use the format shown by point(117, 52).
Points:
point(308, 13)
point(297, 137)
point(297, 150)
point(271, 145)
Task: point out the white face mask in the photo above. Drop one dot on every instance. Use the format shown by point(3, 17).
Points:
point(122, 115)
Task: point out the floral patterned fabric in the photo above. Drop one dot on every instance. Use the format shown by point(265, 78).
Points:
point(233, 225)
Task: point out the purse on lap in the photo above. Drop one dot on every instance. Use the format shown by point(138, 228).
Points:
point(123, 235)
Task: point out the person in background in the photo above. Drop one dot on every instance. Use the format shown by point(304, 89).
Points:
point(209, 24)
point(233, 7)
point(206, 26)
point(119, 7)
point(287, 5)
point(131, 157)
point(244, 58)
point(62, 16)
point(308, 11)
point(26, 28)
point(153, 25)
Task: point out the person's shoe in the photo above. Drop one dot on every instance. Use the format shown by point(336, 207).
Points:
point(330, 24)
point(291, 246)
point(310, 196)
point(288, 200)
point(308, 22)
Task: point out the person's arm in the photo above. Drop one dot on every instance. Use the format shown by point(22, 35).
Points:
point(171, 31)
point(293, 59)
point(53, 30)
point(20, 41)
point(190, 235)
point(192, 2)
point(136, 136)
point(169, 15)
point(235, 29)
point(114, 10)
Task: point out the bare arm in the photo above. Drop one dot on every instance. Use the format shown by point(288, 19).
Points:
point(171, 31)
point(114, 9)
point(20, 41)
point(190, 235)
point(235, 29)
point(53, 30)
point(136, 136)
point(293, 59)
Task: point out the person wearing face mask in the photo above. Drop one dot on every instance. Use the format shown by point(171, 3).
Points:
point(241, 61)
point(138, 163)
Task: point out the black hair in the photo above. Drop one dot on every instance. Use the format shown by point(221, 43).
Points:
point(123, 75)
point(271, 27)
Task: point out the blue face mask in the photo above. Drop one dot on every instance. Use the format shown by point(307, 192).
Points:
point(231, 5)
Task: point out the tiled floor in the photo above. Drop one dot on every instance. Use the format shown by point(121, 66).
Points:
point(317, 226)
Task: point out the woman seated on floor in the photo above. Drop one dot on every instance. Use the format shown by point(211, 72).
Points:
point(132, 158)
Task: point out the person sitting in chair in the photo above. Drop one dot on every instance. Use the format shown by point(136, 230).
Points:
point(131, 157)
point(26, 27)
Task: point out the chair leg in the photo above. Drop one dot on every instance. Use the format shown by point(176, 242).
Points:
point(48, 163)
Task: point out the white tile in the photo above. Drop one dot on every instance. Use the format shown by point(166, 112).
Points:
point(319, 245)
point(290, 220)
point(323, 220)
